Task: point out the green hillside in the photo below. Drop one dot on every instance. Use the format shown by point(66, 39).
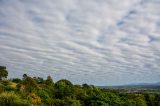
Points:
point(36, 91)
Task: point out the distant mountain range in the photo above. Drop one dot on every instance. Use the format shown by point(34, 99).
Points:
point(144, 84)
point(138, 85)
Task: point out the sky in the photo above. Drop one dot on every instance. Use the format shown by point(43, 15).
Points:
point(100, 42)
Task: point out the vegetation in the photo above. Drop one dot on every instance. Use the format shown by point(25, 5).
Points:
point(36, 91)
point(3, 72)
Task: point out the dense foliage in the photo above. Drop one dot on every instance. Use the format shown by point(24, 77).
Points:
point(3, 72)
point(36, 91)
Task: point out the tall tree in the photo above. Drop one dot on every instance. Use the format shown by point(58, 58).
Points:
point(3, 72)
point(25, 76)
point(30, 84)
point(49, 80)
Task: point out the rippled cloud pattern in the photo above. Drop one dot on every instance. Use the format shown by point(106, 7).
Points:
point(101, 42)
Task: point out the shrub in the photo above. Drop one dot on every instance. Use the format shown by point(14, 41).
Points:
point(34, 99)
point(11, 99)
point(16, 80)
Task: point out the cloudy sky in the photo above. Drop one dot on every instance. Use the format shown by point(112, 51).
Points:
point(101, 42)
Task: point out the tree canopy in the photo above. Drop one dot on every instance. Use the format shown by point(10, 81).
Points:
point(3, 72)
point(36, 91)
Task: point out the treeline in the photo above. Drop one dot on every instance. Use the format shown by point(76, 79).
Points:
point(36, 91)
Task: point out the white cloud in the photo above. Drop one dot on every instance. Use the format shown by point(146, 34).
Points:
point(98, 42)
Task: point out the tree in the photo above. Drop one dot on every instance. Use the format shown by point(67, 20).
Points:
point(129, 102)
point(150, 98)
point(65, 82)
point(43, 95)
point(30, 84)
point(55, 102)
point(24, 76)
point(3, 72)
point(49, 80)
point(64, 88)
point(16, 80)
point(141, 102)
point(39, 80)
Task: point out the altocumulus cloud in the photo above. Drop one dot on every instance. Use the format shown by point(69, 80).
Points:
point(102, 42)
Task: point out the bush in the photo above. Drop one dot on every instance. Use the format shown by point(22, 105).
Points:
point(34, 99)
point(5, 82)
point(11, 99)
point(55, 102)
point(16, 80)
point(43, 95)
